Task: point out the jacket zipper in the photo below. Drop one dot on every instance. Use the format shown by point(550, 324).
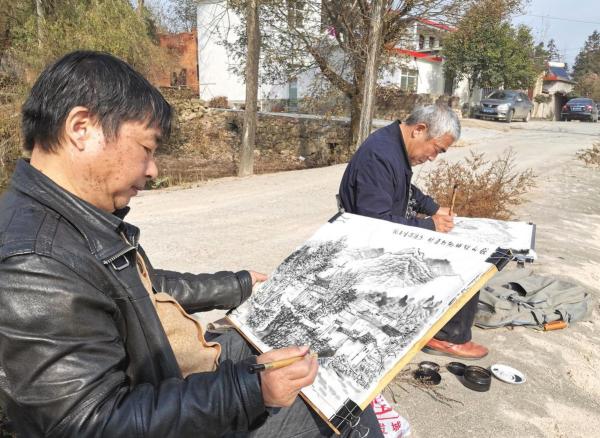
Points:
point(117, 255)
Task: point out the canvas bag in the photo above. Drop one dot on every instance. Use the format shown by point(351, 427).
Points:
point(186, 336)
point(520, 297)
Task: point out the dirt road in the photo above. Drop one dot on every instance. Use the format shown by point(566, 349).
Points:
point(255, 222)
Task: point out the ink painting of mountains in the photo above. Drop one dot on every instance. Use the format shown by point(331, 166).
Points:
point(362, 293)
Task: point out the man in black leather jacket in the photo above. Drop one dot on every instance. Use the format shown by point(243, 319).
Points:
point(82, 349)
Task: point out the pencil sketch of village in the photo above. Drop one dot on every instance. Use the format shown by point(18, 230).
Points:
point(359, 307)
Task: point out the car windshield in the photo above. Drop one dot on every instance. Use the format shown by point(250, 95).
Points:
point(580, 101)
point(501, 95)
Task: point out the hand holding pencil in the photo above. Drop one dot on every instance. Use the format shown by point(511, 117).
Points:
point(286, 371)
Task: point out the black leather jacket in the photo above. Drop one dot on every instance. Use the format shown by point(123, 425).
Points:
point(82, 351)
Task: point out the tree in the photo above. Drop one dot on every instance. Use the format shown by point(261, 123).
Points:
point(331, 37)
point(553, 53)
point(371, 68)
point(184, 15)
point(488, 51)
point(587, 61)
point(540, 57)
point(588, 85)
point(66, 25)
point(252, 57)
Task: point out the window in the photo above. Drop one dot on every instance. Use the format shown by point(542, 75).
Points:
point(408, 79)
point(421, 42)
point(431, 42)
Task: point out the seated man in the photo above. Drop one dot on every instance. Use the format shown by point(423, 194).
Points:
point(93, 340)
point(377, 183)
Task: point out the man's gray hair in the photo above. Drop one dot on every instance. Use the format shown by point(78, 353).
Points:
point(440, 120)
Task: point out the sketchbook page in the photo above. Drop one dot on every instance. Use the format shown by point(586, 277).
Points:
point(360, 292)
point(517, 236)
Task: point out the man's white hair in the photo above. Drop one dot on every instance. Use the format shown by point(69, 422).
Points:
point(440, 120)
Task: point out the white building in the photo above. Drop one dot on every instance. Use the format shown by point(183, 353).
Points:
point(419, 66)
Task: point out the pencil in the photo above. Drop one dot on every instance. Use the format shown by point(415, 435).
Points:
point(255, 368)
point(453, 198)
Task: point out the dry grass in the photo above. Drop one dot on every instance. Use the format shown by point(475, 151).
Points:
point(218, 102)
point(591, 156)
point(10, 141)
point(485, 188)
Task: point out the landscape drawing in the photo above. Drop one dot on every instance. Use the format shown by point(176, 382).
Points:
point(516, 236)
point(360, 292)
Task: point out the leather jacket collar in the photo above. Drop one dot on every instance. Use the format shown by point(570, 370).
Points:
point(100, 229)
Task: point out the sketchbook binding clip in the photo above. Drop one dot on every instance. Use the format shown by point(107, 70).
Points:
point(500, 258)
point(348, 416)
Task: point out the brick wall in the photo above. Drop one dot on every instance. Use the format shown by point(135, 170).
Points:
point(184, 47)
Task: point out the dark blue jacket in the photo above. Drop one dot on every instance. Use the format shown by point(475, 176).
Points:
point(377, 184)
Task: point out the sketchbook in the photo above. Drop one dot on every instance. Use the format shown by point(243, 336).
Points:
point(366, 295)
point(519, 237)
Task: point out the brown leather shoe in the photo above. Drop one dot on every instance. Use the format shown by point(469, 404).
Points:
point(468, 350)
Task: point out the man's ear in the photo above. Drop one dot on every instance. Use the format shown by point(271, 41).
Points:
point(419, 130)
point(79, 126)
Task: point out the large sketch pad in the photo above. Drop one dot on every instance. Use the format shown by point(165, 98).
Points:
point(366, 295)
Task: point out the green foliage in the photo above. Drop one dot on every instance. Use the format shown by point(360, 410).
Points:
point(31, 39)
point(105, 25)
point(542, 98)
point(586, 70)
point(488, 51)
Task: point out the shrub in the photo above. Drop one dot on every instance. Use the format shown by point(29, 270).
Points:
point(542, 98)
point(218, 102)
point(484, 188)
point(591, 156)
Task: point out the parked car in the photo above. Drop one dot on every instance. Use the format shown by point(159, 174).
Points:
point(580, 108)
point(505, 105)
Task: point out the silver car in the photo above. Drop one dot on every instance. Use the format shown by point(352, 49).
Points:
point(505, 105)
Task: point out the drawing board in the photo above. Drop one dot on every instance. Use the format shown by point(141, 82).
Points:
point(519, 237)
point(366, 295)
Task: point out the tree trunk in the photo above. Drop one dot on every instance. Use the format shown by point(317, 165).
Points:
point(246, 166)
point(140, 7)
point(355, 111)
point(39, 9)
point(370, 79)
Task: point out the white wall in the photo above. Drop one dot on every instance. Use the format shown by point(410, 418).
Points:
point(431, 77)
point(213, 61)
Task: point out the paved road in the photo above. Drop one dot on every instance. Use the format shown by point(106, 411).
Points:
point(255, 222)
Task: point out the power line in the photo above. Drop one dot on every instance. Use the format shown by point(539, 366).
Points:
point(559, 18)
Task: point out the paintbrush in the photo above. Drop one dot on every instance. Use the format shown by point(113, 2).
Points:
point(453, 199)
point(255, 368)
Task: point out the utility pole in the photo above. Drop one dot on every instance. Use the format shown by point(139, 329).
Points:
point(253, 51)
point(370, 87)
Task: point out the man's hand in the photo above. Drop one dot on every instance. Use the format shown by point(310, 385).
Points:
point(444, 211)
point(280, 387)
point(443, 223)
point(257, 277)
